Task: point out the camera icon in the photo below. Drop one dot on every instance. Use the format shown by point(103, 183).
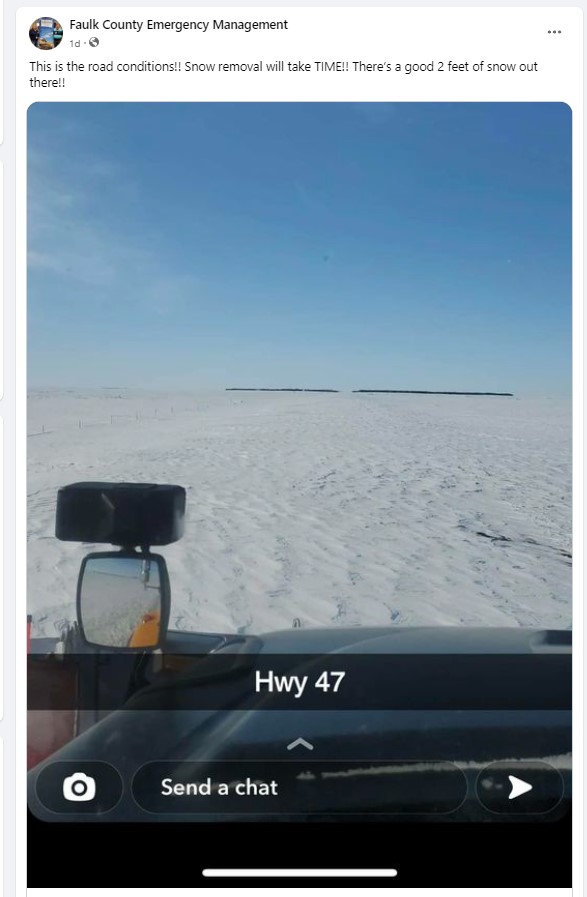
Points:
point(79, 786)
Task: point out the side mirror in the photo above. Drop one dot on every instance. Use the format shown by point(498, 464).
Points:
point(123, 600)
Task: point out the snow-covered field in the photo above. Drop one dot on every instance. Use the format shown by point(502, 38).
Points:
point(337, 509)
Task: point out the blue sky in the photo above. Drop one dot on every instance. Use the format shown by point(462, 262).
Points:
point(417, 246)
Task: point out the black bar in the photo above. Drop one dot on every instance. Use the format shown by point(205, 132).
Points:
point(174, 854)
point(233, 681)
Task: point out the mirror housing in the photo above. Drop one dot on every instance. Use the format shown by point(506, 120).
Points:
point(125, 514)
point(123, 600)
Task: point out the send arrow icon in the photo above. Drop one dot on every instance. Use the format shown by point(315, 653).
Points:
point(519, 787)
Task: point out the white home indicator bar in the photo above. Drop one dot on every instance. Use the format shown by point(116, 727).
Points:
point(299, 873)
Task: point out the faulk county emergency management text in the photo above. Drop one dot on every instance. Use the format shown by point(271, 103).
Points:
point(154, 25)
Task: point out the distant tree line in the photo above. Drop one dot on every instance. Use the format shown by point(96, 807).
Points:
point(409, 392)
point(271, 389)
point(433, 392)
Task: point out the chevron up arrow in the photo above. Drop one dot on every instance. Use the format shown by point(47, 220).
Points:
point(300, 742)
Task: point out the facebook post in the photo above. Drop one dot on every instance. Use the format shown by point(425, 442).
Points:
point(297, 297)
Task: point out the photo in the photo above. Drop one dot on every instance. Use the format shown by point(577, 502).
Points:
point(343, 329)
point(46, 33)
point(299, 461)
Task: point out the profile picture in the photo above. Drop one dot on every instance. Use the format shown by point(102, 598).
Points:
point(46, 33)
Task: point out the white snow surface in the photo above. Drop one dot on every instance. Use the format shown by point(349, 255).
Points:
point(336, 509)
